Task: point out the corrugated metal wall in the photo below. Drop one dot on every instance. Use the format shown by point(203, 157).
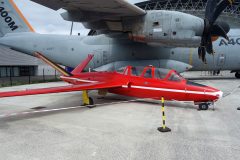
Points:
point(15, 62)
point(9, 57)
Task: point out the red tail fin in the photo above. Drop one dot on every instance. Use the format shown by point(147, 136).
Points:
point(82, 65)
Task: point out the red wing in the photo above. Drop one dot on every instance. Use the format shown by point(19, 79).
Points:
point(70, 88)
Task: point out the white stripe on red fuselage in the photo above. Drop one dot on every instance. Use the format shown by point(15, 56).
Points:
point(219, 93)
point(77, 79)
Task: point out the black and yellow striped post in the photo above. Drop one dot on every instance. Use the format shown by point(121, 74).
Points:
point(164, 128)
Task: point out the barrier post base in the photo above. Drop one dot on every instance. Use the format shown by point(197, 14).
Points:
point(166, 129)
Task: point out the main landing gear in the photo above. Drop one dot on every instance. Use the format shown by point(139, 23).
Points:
point(87, 101)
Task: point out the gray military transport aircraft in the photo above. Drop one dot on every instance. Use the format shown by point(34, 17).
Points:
point(128, 35)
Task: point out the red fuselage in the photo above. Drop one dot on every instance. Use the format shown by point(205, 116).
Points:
point(150, 84)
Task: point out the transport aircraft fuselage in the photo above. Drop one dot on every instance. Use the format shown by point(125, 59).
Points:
point(70, 50)
point(140, 38)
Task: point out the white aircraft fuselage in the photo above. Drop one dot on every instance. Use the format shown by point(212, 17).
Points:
point(70, 50)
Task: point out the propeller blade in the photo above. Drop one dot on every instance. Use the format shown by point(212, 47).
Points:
point(209, 45)
point(220, 7)
point(211, 5)
point(218, 30)
point(202, 53)
point(212, 28)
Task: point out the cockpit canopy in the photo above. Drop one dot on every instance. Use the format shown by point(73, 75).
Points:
point(151, 72)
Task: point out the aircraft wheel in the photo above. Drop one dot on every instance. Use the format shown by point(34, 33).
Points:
point(237, 75)
point(91, 103)
point(203, 106)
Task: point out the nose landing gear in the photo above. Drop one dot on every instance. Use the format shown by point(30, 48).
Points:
point(203, 106)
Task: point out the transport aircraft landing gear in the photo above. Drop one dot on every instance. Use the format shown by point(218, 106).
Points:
point(237, 75)
point(203, 106)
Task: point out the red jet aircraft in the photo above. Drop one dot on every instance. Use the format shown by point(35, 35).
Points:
point(148, 82)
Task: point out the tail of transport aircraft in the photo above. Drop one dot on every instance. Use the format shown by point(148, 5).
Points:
point(11, 19)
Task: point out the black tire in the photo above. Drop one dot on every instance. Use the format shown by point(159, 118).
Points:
point(203, 106)
point(91, 102)
point(237, 75)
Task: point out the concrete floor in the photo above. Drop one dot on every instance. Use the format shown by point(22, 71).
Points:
point(118, 130)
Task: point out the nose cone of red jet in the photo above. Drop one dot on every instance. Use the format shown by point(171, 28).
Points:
point(219, 94)
point(213, 93)
point(204, 93)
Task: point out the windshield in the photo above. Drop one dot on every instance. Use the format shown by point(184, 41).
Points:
point(175, 77)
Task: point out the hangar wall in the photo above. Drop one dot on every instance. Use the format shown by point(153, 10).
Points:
point(17, 64)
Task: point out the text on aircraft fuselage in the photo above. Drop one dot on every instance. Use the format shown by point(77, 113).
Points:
point(232, 41)
point(9, 20)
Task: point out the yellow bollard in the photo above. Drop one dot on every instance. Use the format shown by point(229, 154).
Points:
point(163, 128)
point(85, 98)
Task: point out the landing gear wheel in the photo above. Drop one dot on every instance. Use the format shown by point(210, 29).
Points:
point(203, 106)
point(91, 103)
point(237, 75)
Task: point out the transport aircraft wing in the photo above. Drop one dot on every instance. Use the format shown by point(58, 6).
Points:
point(69, 88)
point(89, 9)
point(99, 13)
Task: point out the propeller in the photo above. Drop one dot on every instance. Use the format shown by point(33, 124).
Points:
point(212, 28)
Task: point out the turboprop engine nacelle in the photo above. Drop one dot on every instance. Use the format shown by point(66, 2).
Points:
point(167, 28)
